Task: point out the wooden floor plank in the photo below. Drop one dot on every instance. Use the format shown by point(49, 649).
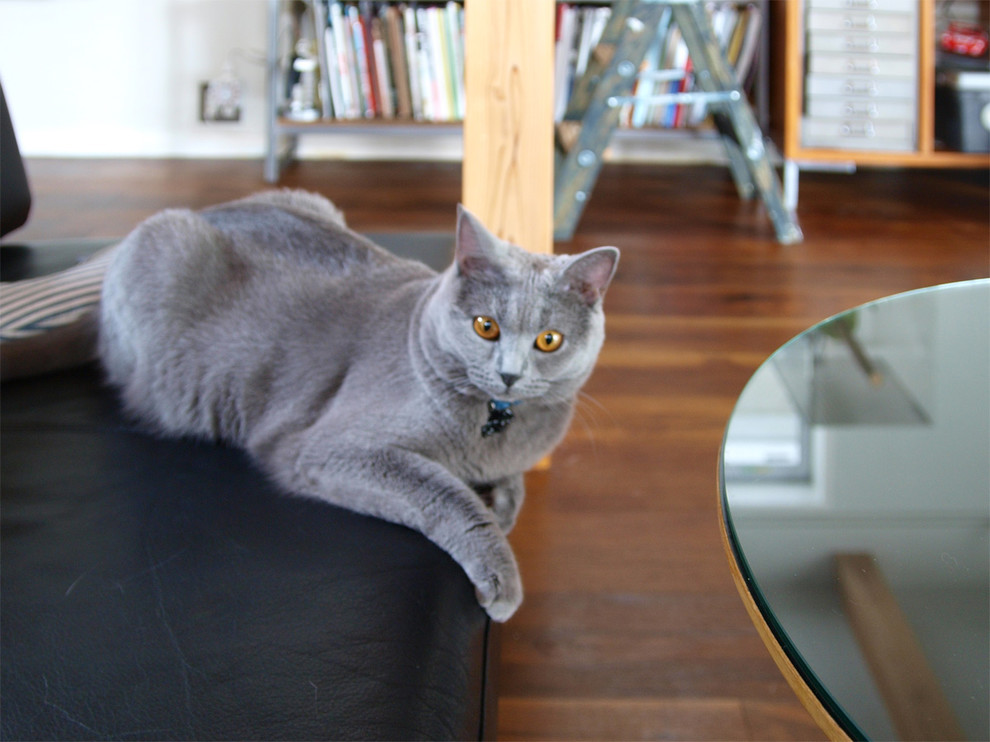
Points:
point(631, 628)
point(626, 719)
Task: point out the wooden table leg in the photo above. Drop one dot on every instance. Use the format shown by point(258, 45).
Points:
point(910, 690)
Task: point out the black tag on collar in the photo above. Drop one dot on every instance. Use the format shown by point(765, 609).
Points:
point(500, 414)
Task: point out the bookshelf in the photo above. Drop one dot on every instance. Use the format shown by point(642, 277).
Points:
point(313, 99)
point(286, 127)
point(806, 27)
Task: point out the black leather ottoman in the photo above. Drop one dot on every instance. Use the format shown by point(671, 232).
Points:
point(161, 589)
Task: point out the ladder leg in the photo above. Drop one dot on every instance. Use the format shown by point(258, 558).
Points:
point(737, 161)
point(600, 59)
point(611, 73)
point(713, 74)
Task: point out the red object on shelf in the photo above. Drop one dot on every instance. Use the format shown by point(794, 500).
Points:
point(965, 38)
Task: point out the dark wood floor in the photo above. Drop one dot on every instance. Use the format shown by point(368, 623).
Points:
point(631, 627)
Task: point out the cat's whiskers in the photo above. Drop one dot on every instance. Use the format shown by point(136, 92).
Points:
point(583, 396)
point(586, 413)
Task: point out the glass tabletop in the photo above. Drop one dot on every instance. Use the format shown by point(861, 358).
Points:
point(855, 476)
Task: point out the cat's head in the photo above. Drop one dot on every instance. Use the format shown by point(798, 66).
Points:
point(514, 325)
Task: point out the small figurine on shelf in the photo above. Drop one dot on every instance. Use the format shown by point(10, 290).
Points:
point(302, 102)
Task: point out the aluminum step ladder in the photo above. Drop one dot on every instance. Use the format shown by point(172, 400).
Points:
point(593, 111)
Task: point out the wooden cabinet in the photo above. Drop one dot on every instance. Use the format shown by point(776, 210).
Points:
point(878, 56)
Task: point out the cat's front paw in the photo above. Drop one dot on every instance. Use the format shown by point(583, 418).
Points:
point(496, 578)
point(499, 598)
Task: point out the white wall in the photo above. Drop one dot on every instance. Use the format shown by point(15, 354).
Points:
point(121, 77)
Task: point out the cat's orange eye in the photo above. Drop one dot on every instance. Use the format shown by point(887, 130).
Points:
point(549, 341)
point(486, 327)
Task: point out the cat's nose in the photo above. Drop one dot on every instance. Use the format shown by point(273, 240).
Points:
point(509, 379)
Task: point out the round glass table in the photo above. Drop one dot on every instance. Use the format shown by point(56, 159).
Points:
point(855, 486)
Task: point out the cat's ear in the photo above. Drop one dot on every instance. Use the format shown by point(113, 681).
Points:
point(590, 273)
point(474, 248)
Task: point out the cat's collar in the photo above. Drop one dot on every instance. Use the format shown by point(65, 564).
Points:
point(500, 414)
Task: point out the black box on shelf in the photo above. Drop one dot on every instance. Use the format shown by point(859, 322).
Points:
point(962, 110)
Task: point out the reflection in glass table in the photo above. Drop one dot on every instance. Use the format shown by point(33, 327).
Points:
point(856, 500)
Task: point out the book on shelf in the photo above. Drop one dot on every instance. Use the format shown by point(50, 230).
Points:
point(391, 60)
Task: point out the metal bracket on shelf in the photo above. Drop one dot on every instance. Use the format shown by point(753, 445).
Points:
point(272, 157)
point(593, 112)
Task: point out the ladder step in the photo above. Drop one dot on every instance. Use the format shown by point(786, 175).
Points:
point(698, 96)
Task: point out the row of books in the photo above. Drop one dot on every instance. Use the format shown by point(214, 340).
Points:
point(361, 60)
point(738, 28)
point(405, 60)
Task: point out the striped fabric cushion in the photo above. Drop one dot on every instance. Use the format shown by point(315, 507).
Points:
point(36, 305)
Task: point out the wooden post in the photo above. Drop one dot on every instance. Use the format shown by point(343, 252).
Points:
point(926, 77)
point(508, 126)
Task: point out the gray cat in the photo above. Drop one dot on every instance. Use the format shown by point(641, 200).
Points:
point(355, 376)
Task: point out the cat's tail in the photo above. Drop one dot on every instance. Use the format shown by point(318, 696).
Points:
point(52, 322)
